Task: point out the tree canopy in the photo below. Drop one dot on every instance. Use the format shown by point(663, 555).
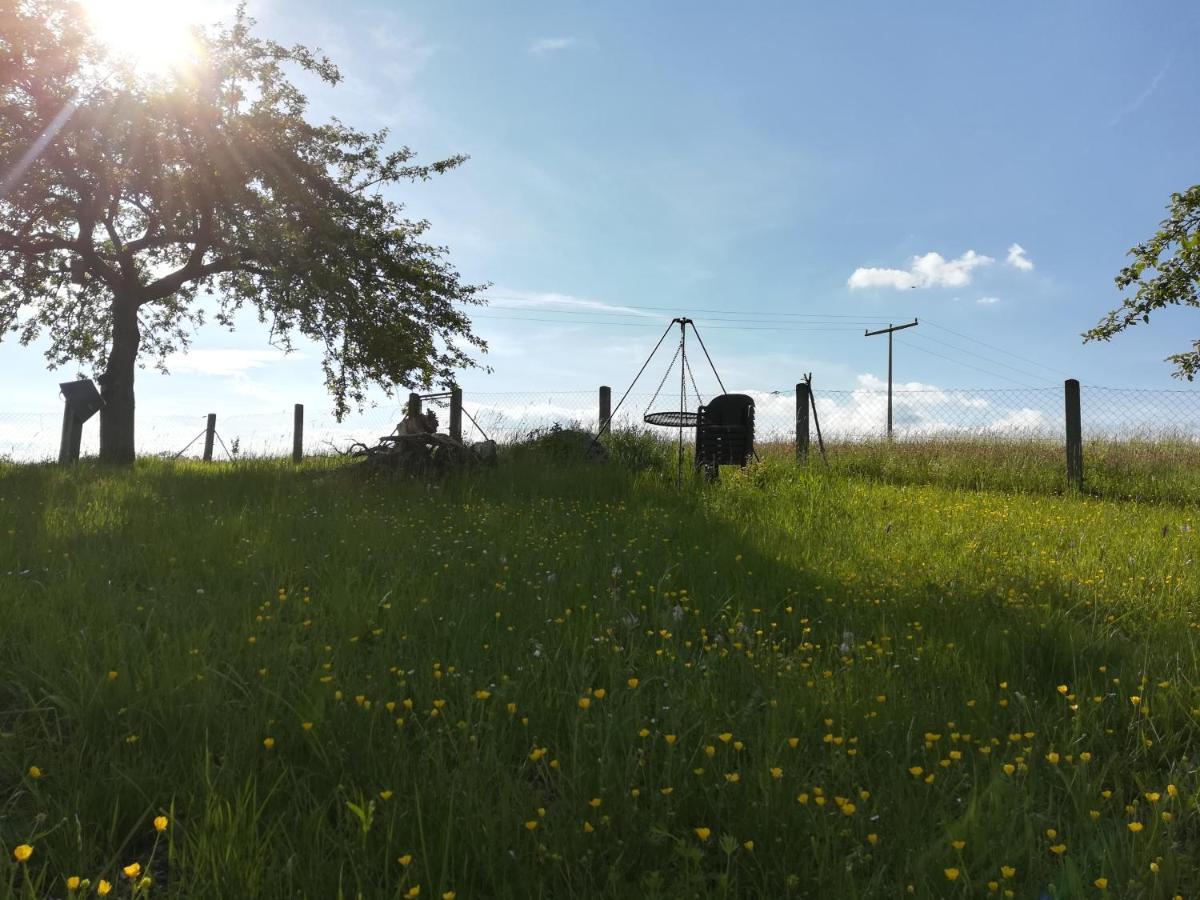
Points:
point(130, 206)
point(1166, 271)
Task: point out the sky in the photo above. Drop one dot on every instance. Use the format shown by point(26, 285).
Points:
point(784, 173)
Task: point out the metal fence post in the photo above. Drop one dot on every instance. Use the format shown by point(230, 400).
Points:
point(298, 433)
point(210, 432)
point(802, 422)
point(1074, 434)
point(456, 414)
point(605, 410)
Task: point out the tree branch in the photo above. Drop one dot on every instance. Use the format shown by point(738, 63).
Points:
point(35, 245)
point(191, 271)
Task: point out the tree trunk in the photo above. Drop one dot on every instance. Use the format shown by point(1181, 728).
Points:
point(116, 386)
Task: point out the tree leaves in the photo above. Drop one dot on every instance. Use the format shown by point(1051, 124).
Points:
point(1166, 272)
point(153, 196)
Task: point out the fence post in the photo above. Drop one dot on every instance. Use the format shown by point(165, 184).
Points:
point(210, 432)
point(414, 405)
point(456, 414)
point(605, 425)
point(802, 422)
point(72, 437)
point(1074, 435)
point(298, 433)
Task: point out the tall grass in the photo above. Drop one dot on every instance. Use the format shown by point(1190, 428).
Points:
point(1166, 470)
point(570, 679)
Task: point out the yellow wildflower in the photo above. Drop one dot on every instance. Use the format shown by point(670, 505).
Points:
point(133, 870)
point(703, 833)
point(22, 852)
point(103, 888)
point(160, 823)
point(951, 874)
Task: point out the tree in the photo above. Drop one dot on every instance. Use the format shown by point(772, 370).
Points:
point(131, 206)
point(1166, 270)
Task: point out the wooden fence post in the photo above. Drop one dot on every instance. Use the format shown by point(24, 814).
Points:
point(802, 422)
point(1074, 435)
point(210, 432)
point(72, 437)
point(456, 431)
point(298, 433)
point(605, 425)
point(414, 405)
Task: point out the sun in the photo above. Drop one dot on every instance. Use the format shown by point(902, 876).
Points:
point(154, 37)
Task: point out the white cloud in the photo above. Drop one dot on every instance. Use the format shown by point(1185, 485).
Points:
point(930, 270)
point(1142, 97)
point(549, 300)
point(549, 45)
point(987, 301)
point(1018, 259)
point(226, 362)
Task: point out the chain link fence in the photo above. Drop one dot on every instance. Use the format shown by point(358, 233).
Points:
point(858, 415)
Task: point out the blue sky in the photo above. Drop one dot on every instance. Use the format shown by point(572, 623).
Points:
point(752, 160)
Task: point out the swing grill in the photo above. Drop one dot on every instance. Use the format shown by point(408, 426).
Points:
point(676, 418)
point(724, 427)
point(672, 418)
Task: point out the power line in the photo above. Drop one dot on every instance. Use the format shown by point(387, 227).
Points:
point(998, 349)
point(797, 327)
point(966, 365)
point(679, 308)
point(994, 362)
point(758, 318)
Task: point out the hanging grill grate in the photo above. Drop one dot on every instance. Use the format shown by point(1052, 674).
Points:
point(672, 418)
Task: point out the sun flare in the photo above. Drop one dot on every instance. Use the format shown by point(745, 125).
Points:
point(154, 37)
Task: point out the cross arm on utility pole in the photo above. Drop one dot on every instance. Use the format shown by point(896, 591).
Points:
point(889, 331)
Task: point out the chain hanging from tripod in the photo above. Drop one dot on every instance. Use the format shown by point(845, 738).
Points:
point(674, 418)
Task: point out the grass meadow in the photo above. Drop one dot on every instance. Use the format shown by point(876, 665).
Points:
point(933, 678)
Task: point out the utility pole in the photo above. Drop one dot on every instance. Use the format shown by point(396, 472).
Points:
point(889, 331)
